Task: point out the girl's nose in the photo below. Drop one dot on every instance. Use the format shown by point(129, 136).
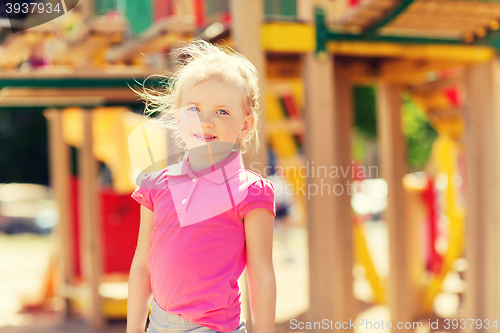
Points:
point(205, 119)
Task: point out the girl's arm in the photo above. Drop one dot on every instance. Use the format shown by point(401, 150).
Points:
point(139, 284)
point(259, 224)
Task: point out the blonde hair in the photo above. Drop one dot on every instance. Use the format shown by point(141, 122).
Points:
point(199, 61)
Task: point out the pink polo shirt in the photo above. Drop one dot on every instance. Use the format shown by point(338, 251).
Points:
point(198, 240)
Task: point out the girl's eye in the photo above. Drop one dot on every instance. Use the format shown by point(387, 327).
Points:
point(192, 108)
point(224, 111)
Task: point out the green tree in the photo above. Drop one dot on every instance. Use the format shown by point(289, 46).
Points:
point(416, 128)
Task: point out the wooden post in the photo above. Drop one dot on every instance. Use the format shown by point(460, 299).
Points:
point(59, 181)
point(90, 226)
point(482, 83)
point(247, 16)
point(324, 278)
point(402, 294)
point(343, 236)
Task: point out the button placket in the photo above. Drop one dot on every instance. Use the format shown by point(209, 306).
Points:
point(180, 197)
point(183, 209)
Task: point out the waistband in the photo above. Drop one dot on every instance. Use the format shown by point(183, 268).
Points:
point(173, 319)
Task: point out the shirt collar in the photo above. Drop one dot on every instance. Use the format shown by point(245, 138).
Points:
point(218, 174)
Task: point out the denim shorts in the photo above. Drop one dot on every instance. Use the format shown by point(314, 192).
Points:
point(161, 321)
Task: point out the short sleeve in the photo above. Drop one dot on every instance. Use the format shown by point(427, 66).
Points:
point(145, 193)
point(260, 195)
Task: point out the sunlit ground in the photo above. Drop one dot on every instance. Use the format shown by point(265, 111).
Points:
point(24, 259)
point(23, 262)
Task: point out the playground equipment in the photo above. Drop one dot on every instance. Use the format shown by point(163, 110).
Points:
point(112, 128)
point(371, 45)
point(284, 108)
point(427, 210)
point(363, 256)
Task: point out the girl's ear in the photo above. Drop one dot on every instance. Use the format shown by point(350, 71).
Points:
point(247, 125)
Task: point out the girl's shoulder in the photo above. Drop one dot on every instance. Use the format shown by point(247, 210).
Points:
point(260, 195)
point(256, 180)
point(153, 178)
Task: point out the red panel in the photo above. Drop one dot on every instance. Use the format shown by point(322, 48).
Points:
point(163, 8)
point(434, 259)
point(199, 13)
point(453, 96)
point(120, 216)
point(354, 3)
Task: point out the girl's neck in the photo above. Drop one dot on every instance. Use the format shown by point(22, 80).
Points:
point(199, 162)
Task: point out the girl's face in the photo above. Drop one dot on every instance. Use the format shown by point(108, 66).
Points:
point(211, 111)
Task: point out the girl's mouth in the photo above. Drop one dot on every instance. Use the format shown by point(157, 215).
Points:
point(204, 139)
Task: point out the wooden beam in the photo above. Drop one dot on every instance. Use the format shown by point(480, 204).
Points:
point(125, 95)
point(402, 297)
point(61, 101)
point(90, 226)
point(342, 238)
point(412, 71)
point(319, 146)
point(407, 72)
point(111, 76)
point(64, 97)
point(465, 53)
point(247, 16)
point(415, 212)
point(59, 156)
point(446, 34)
point(482, 295)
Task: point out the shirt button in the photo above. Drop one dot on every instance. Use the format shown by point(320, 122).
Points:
point(183, 201)
point(194, 179)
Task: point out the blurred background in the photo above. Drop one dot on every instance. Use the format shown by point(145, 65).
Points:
point(379, 132)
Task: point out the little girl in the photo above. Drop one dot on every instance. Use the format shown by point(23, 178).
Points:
point(206, 217)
